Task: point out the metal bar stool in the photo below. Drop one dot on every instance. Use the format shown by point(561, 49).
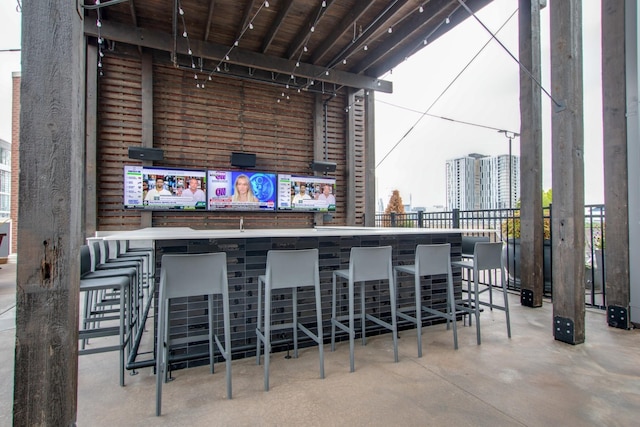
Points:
point(430, 260)
point(487, 256)
point(189, 275)
point(97, 319)
point(365, 264)
point(288, 269)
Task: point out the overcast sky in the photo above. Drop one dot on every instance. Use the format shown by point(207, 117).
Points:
point(486, 93)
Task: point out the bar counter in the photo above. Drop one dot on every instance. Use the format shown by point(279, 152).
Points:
point(246, 259)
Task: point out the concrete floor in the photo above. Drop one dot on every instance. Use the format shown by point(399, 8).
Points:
point(529, 380)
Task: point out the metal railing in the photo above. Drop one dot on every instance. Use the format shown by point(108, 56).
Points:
point(507, 223)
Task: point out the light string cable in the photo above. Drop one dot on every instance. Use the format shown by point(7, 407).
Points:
point(355, 39)
point(420, 9)
point(445, 90)
point(97, 5)
point(185, 34)
point(559, 106)
point(236, 43)
point(100, 39)
point(310, 82)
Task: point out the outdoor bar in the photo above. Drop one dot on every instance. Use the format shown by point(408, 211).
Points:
point(246, 258)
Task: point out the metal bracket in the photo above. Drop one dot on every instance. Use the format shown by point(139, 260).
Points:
point(618, 317)
point(526, 297)
point(563, 329)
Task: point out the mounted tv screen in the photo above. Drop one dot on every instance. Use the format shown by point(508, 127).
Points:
point(157, 188)
point(306, 193)
point(241, 191)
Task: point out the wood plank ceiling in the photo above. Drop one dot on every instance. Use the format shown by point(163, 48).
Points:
point(302, 43)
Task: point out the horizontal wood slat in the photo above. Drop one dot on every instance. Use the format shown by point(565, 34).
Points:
point(200, 127)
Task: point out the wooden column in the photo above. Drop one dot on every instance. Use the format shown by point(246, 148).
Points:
point(50, 214)
point(350, 216)
point(567, 171)
point(614, 125)
point(318, 139)
point(146, 218)
point(370, 161)
point(531, 231)
point(91, 143)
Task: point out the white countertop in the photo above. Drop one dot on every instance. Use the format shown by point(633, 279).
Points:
point(186, 233)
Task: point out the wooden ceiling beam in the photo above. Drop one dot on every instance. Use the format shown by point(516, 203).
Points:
point(382, 21)
point(438, 10)
point(434, 13)
point(246, 17)
point(275, 26)
point(207, 27)
point(164, 41)
point(345, 25)
point(301, 38)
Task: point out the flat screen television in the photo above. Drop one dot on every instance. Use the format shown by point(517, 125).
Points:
point(241, 191)
point(306, 193)
point(159, 188)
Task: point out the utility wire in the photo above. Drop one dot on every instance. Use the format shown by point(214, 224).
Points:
point(447, 118)
point(426, 112)
point(559, 106)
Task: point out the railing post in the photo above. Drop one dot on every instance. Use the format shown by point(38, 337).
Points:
point(420, 219)
point(393, 219)
point(456, 218)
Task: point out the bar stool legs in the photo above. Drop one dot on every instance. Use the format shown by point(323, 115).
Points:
point(365, 264)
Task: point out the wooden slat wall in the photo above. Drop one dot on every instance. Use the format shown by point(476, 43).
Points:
point(119, 126)
point(199, 128)
point(359, 147)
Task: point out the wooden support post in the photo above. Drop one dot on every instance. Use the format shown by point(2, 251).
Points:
point(146, 218)
point(318, 139)
point(350, 155)
point(50, 214)
point(567, 171)
point(532, 226)
point(614, 121)
point(91, 142)
point(370, 164)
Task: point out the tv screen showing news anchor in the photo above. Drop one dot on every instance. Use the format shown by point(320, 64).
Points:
point(157, 188)
point(306, 193)
point(241, 191)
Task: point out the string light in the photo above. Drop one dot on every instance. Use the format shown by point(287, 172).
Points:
point(421, 9)
point(100, 44)
point(324, 3)
point(266, 4)
point(390, 30)
point(447, 21)
point(251, 25)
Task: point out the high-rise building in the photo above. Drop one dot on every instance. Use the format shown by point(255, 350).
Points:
point(478, 181)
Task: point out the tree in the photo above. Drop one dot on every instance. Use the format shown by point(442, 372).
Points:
point(395, 203)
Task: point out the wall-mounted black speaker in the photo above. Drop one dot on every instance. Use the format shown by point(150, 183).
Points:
point(318, 166)
point(243, 160)
point(144, 153)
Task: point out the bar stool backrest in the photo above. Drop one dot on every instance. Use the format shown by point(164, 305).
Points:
point(205, 274)
point(432, 260)
point(85, 260)
point(370, 263)
point(292, 268)
point(488, 255)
